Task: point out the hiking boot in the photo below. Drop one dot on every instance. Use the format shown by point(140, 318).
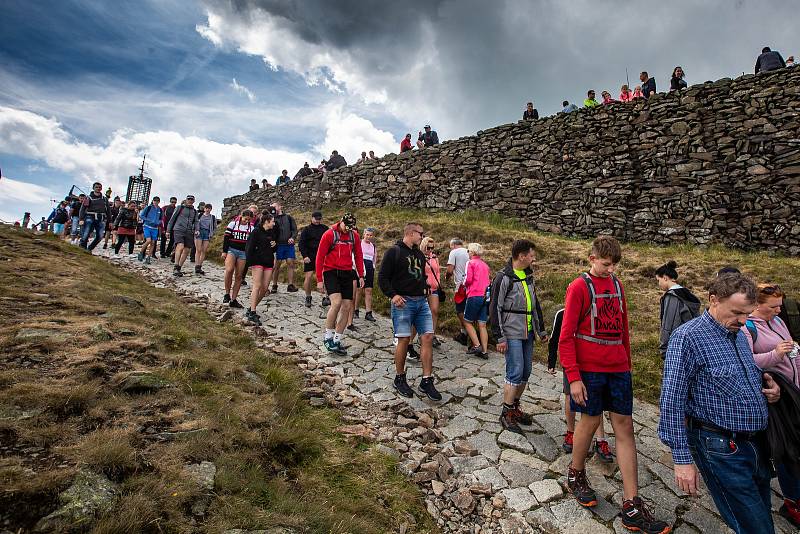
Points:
point(402, 386)
point(308, 301)
point(338, 348)
point(636, 516)
point(412, 353)
point(226, 299)
point(291, 288)
point(352, 328)
point(253, 317)
point(791, 510)
point(235, 304)
point(462, 338)
point(567, 445)
point(426, 386)
point(522, 417)
point(105, 245)
point(369, 317)
point(482, 355)
point(176, 271)
point(198, 270)
point(579, 487)
point(603, 451)
point(172, 258)
point(326, 301)
point(274, 288)
point(140, 256)
point(355, 314)
point(509, 421)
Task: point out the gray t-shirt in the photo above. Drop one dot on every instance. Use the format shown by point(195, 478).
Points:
point(458, 258)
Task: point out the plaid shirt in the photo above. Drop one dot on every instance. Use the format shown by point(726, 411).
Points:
point(710, 375)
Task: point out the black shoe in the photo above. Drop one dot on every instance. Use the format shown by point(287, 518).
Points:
point(244, 282)
point(235, 304)
point(437, 342)
point(412, 353)
point(426, 386)
point(176, 271)
point(226, 299)
point(473, 351)
point(291, 288)
point(352, 328)
point(509, 421)
point(355, 314)
point(482, 355)
point(198, 270)
point(462, 338)
point(308, 301)
point(253, 317)
point(172, 259)
point(402, 386)
point(579, 487)
point(274, 288)
point(636, 516)
point(522, 417)
point(369, 317)
point(326, 301)
point(105, 246)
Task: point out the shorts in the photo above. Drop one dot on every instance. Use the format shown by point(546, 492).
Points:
point(369, 274)
point(238, 254)
point(461, 306)
point(151, 233)
point(58, 228)
point(284, 252)
point(205, 235)
point(139, 228)
point(311, 266)
point(519, 360)
point(476, 310)
point(416, 313)
point(337, 281)
point(262, 267)
point(607, 392)
point(566, 383)
point(186, 239)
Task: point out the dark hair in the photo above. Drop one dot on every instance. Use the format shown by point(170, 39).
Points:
point(565, 103)
point(766, 291)
point(247, 213)
point(607, 247)
point(209, 206)
point(590, 91)
point(410, 226)
point(530, 103)
point(96, 183)
point(266, 216)
point(668, 270)
point(729, 269)
point(645, 73)
point(766, 49)
point(675, 69)
point(729, 284)
point(156, 198)
point(335, 153)
point(252, 179)
point(521, 246)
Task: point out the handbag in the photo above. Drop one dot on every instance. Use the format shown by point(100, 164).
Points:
point(439, 291)
point(460, 295)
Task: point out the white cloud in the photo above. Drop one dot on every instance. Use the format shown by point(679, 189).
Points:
point(21, 197)
point(242, 90)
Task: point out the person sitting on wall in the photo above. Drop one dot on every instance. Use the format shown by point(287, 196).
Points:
point(363, 158)
point(677, 82)
point(405, 144)
point(607, 98)
point(372, 155)
point(305, 170)
point(648, 85)
point(429, 138)
point(568, 108)
point(253, 185)
point(321, 168)
point(625, 94)
point(335, 161)
point(283, 178)
point(590, 101)
point(264, 183)
point(769, 60)
point(530, 113)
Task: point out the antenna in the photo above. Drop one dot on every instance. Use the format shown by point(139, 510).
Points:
point(627, 79)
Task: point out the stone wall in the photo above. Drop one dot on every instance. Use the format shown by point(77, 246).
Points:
point(718, 162)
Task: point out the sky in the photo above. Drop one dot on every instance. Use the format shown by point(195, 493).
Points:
point(216, 92)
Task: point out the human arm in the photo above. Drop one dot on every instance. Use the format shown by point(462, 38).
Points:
point(498, 297)
point(535, 113)
point(386, 273)
point(765, 360)
point(174, 218)
point(679, 368)
point(538, 319)
point(758, 65)
point(302, 243)
point(250, 247)
point(322, 251)
point(626, 333)
point(574, 305)
point(359, 254)
point(292, 230)
point(670, 320)
point(552, 345)
point(225, 238)
point(434, 138)
point(469, 275)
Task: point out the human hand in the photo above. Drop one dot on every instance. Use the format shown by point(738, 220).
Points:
point(273, 244)
point(224, 255)
point(686, 477)
point(306, 260)
point(784, 348)
point(545, 338)
point(772, 390)
point(291, 241)
point(361, 282)
point(551, 370)
point(398, 301)
point(502, 346)
point(578, 392)
point(319, 286)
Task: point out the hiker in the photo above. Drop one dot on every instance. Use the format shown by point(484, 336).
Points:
point(648, 85)
point(607, 98)
point(678, 304)
point(429, 138)
point(433, 273)
point(283, 178)
point(286, 231)
point(201, 208)
point(139, 225)
point(625, 94)
point(253, 222)
point(110, 230)
point(75, 218)
point(206, 226)
point(590, 101)
point(234, 244)
point(405, 144)
point(42, 225)
point(530, 113)
point(790, 61)
point(339, 248)
point(309, 244)
point(126, 227)
point(94, 214)
point(151, 219)
point(363, 157)
point(402, 280)
point(676, 83)
point(264, 183)
point(59, 218)
point(594, 347)
point(253, 185)
point(476, 282)
point(369, 252)
point(714, 408)
point(775, 350)
point(169, 211)
point(372, 155)
point(637, 92)
point(457, 270)
point(182, 225)
point(335, 161)
point(516, 321)
point(769, 60)
point(305, 170)
point(260, 257)
point(567, 107)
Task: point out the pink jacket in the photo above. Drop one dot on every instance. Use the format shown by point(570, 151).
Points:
point(626, 97)
point(769, 335)
point(433, 272)
point(477, 279)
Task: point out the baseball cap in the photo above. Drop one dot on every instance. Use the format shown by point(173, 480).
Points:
point(189, 197)
point(349, 220)
point(427, 126)
point(316, 215)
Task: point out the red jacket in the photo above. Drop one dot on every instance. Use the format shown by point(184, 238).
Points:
point(405, 145)
point(611, 323)
point(342, 256)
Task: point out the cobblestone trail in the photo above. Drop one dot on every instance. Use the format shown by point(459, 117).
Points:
point(477, 478)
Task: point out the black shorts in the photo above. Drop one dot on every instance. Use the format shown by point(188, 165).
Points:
point(337, 281)
point(369, 274)
point(311, 266)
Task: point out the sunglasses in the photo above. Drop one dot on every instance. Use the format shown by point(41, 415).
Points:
point(771, 290)
point(430, 248)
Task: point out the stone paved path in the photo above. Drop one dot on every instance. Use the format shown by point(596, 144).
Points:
point(499, 481)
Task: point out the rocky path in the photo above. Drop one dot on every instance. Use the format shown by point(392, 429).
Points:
point(477, 478)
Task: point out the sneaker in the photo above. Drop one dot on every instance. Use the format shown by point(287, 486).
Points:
point(326, 301)
point(244, 283)
point(253, 317)
point(335, 347)
point(482, 355)
point(473, 350)
point(791, 510)
point(579, 487)
point(462, 338)
point(402, 386)
point(352, 328)
point(355, 314)
point(437, 342)
point(235, 304)
point(226, 299)
point(291, 288)
point(568, 439)
point(140, 256)
point(603, 451)
point(368, 317)
point(176, 271)
point(274, 288)
point(636, 516)
point(426, 386)
point(509, 421)
point(199, 270)
point(522, 417)
point(412, 352)
point(308, 301)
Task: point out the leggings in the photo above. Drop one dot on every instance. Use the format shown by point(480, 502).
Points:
point(121, 239)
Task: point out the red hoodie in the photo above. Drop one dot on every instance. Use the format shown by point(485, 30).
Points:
point(611, 323)
point(341, 257)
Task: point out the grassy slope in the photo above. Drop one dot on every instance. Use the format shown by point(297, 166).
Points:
point(279, 461)
point(560, 259)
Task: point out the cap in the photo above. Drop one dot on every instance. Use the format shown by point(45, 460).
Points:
point(349, 220)
point(316, 215)
point(189, 197)
point(427, 126)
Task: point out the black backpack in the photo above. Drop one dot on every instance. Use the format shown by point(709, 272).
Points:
point(790, 314)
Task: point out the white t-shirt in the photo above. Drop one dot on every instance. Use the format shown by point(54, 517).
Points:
point(458, 258)
point(368, 251)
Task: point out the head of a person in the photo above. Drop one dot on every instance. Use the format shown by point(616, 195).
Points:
point(372, 153)
point(731, 297)
point(156, 201)
point(264, 181)
point(667, 275)
point(638, 89)
point(253, 208)
point(475, 249)
point(207, 208)
point(348, 222)
point(97, 188)
point(625, 88)
point(456, 243)
point(369, 234)
point(769, 300)
point(643, 76)
point(427, 128)
point(408, 136)
point(284, 172)
point(81, 196)
point(677, 72)
point(523, 253)
point(604, 256)
point(253, 181)
point(363, 154)
point(189, 200)
point(305, 165)
point(766, 49)
point(278, 207)
point(413, 234)
point(245, 216)
point(728, 269)
point(590, 93)
point(789, 60)
point(530, 106)
point(267, 221)
point(565, 103)
point(132, 205)
point(117, 201)
point(335, 153)
point(606, 95)
point(316, 217)
point(201, 206)
point(427, 245)
point(173, 200)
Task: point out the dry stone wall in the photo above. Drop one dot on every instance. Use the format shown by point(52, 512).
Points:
point(716, 163)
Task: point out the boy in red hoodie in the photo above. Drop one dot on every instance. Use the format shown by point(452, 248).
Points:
point(596, 355)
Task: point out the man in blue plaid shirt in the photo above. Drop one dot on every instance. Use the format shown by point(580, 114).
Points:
point(714, 408)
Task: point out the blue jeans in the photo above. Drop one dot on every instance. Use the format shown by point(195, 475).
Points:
point(98, 224)
point(790, 484)
point(519, 356)
point(75, 227)
point(737, 475)
point(417, 313)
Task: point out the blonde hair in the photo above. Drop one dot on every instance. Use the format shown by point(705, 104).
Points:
point(475, 248)
point(423, 246)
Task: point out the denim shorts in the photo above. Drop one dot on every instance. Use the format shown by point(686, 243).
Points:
point(476, 310)
point(74, 229)
point(58, 228)
point(284, 252)
point(607, 392)
point(151, 233)
point(519, 358)
point(205, 235)
point(238, 254)
point(416, 313)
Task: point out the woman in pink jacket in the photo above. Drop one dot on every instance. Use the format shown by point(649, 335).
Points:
point(774, 349)
point(625, 94)
point(433, 273)
point(477, 310)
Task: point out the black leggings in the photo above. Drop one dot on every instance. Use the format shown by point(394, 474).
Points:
point(121, 239)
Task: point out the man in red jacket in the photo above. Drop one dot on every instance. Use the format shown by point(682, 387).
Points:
point(339, 258)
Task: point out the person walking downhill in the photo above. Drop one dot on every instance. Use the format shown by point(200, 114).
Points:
point(126, 227)
point(516, 321)
point(457, 270)
point(111, 231)
point(714, 408)
point(678, 304)
point(234, 243)
point(595, 352)
point(402, 279)
point(75, 218)
point(151, 219)
point(369, 252)
point(476, 283)
point(433, 273)
point(94, 215)
point(182, 225)
point(206, 226)
point(167, 236)
point(775, 350)
point(286, 229)
point(308, 245)
point(260, 252)
point(339, 248)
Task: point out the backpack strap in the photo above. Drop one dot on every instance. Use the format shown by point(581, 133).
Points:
point(751, 327)
point(592, 299)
